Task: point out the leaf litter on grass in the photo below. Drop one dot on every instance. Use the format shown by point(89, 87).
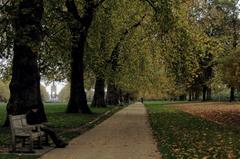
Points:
point(184, 135)
point(220, 112)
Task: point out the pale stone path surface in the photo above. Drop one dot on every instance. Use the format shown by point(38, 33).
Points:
point(125, 135)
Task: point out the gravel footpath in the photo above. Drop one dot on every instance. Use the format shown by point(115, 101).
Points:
point(125, 135)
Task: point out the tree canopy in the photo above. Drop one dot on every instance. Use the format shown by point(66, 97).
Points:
point(153, 48)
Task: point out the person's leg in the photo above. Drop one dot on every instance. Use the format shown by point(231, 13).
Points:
point(52, 135)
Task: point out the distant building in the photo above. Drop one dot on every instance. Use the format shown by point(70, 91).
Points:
point(53, 95)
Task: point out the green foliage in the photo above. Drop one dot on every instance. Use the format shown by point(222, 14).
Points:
point(64, 94)
point(55, 51)
point(44, 93)
point(230, 69)
point(4, 91)
point(108, 32)
point(158, 48)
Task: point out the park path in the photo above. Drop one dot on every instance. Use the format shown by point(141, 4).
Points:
point(125, 135)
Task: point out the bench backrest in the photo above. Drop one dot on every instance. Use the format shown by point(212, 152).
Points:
point(17, 122)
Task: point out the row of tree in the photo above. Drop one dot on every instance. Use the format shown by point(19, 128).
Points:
point(32, 30)
point(160, 48)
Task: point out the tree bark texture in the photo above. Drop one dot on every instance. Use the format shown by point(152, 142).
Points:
point(79, 26)
point(232, 94)
point(209, 94)
point(204, 93)
point(25, 82)
point(190, 95)
point(112, 94)
point(99, 94)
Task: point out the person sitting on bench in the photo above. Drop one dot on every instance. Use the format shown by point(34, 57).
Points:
point(33, 117)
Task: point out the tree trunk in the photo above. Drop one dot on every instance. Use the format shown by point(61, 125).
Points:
point(190, 96)
point(112, 94)
point(78, 99)
point(25, 82)
point(232, 94)
point(209, 94)
point(182, 97)
point(79, 26)
point(235, 43)
point(204, 93)
point(99, 94)
point(196, 95)
point(121, 100)
point(126, 98)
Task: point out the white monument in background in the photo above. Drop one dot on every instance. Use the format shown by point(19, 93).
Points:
point(53, 95)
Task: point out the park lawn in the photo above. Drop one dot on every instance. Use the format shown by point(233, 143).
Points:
point(183, 135)
point(67, 126)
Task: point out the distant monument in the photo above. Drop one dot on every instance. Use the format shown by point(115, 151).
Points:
point(53, 92)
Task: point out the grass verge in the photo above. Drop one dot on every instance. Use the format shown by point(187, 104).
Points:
point(67, 126)
point(181, 135)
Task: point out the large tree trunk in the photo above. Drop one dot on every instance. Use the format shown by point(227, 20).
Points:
point(79, 26)
point(112, 94)
point(99, 94)
point(25, 82)
point(232, 94)
point(78, 99)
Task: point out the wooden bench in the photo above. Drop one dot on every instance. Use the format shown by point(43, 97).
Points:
point(20, 129)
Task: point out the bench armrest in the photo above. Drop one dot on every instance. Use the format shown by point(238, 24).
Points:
point(36, 127)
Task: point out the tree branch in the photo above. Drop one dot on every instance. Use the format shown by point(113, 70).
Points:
point(100, 2)
point(133, 26)
point(72, 9)
point(113, 57)
point(150, 2)
point(4, 5)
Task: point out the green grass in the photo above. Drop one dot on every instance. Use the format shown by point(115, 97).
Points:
point(181, 135)
point(156, 102)
point(65, 125)
point(2, 112)
point(18, 156)
point(163, 102)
